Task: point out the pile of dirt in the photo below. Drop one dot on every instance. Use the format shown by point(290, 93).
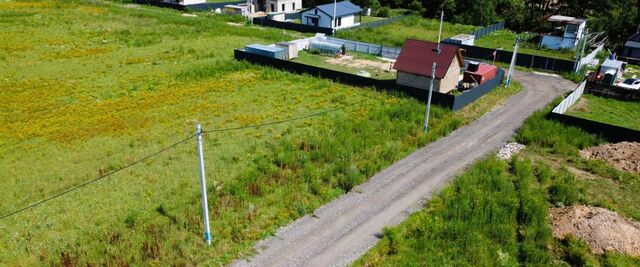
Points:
point(350, 61)
point(602, 229)
point(624, 155)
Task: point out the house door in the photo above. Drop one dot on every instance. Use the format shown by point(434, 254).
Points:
point(273, 8)
point(314, 22)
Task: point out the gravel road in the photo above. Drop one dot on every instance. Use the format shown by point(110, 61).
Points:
point(341, 231)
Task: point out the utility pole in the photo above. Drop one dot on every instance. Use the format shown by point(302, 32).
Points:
point(203, 186)
point(333, 19)
point(440, 30)
point(513, 61)
point(426, 116)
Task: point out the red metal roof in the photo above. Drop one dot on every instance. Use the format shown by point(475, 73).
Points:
point(485, 69)
point(417, 57)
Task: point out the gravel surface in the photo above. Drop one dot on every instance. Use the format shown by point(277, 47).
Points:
point(508, 150)
point(341, 231)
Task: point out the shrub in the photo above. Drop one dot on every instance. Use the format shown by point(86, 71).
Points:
point(416, 6)
point(384, 12)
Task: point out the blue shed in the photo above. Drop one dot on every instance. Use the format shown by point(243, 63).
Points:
point(264, 50)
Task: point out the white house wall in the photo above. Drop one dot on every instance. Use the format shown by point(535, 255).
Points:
point(347, 21)
point(288, 5)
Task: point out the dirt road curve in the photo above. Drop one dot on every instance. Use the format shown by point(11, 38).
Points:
point(344, 229)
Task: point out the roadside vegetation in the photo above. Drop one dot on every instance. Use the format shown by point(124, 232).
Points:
point(89, 87)
point(496, 213)
point(607, 110)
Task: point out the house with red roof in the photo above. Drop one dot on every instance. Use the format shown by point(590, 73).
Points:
point(416, 59)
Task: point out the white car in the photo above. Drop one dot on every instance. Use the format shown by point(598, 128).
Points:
point(631, 83)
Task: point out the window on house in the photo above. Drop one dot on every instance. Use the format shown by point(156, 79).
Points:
point(293, 6)
point(273, 8)
point(339, 23)
point(316, 12)
point(282, 8)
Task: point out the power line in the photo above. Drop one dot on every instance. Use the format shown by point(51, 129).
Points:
point(285, 120)
point(74, 188)
point(86, 183)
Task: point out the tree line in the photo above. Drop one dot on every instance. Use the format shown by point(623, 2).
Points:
point(619, 19)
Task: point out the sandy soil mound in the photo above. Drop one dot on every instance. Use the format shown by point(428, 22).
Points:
point(602, 229)
point(351, 62)
point(624, 155)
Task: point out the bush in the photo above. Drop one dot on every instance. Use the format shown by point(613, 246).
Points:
point(384, 12)
point(415, 6)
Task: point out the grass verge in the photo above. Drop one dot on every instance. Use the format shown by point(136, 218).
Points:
point(496, 213)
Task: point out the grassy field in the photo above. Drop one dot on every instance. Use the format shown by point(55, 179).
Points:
point(505, 40)
point(319, 60)
point(607, 110)
point(496, 213)
point(88, 87)
point(365, 19)
point(396, 33)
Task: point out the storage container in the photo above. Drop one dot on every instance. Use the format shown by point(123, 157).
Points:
point(290, 49)
point(479, 73)
point(267, 51)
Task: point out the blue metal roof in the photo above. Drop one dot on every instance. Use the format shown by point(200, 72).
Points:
point(265, 48)
point(342, 9)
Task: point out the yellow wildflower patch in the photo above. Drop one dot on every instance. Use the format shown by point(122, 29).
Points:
point(17, 5)
point(78, 53)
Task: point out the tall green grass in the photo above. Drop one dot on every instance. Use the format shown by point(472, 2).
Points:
point(496, 213)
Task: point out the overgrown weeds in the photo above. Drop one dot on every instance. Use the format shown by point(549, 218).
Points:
point(496, 213)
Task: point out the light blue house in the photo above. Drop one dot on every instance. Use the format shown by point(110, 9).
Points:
point(566, 35)
point(341, 15)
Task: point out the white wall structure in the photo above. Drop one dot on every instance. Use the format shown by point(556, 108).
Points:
point(283, 5)
point(186, 2)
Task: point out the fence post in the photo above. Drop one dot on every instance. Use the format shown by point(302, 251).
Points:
point(203, 187)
